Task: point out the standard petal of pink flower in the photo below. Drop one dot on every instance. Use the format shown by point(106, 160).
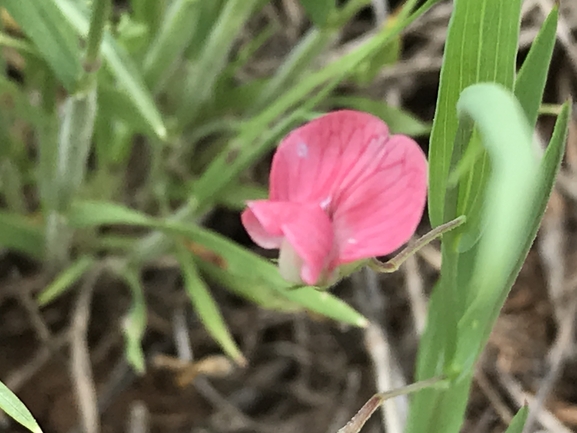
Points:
point(305, 227)
point(370, 187)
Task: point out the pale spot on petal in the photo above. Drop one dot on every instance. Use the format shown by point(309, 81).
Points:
point(302, 150)
point(326, 202)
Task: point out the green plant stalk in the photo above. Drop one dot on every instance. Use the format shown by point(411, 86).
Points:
point(98, 22)
point(74, 143)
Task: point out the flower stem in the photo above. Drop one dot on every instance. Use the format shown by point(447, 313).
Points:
point(395, 263)
point(363, 415)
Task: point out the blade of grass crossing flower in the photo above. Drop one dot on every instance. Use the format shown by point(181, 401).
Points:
point(56, 40)
point(481, 46)
point(134, 324)
point(247, 265)
point(206, 307)
point(530, 82)
point(225, 259)
point(120, 65)
point(518, 421)
point(16, 410)
point(65, 280)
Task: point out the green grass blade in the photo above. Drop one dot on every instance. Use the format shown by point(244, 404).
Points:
point(177, 29)
point(56, 40)
point(212, 59)
point(253, 270)
point(532, 77)
point(16, 410)
point(319, 11)
point(517, 194)
point(118, 61)
point(65, 280)
point(518, 422)
point(481, 46)
point(206, 307)
point(21, 234)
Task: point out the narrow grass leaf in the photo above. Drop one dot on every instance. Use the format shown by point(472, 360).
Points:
point(211, 61)
point(21, 234)
point(242, 263)
point(247, 287)
point(398, 120)
point(256, 136)
point(511, 195)
point(175, 34)
point(518, 422)
point(481, 47)
point(206, 307)
point(65, 280)
point(55, 38)
point(16, 410)
point(88, 213)
point(318, 11)
point(232, 259)
point(120, 64)
point(532, 77)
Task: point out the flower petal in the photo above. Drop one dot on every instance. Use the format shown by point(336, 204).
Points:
point(382, 200)
point(312, 161)
point(306, 227)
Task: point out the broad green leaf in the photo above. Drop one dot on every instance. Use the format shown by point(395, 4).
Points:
point(134, 324)
point(16, 410)
point(399, 121)
point(530, 82)
point(206, 307)
point(21, 234)
point(121, 66)
point(56, 40)
point(481, 47)
point(65, 280)
point(518, 421)
point(319, 11)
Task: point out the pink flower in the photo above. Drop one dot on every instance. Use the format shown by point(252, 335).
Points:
point(341, 190)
